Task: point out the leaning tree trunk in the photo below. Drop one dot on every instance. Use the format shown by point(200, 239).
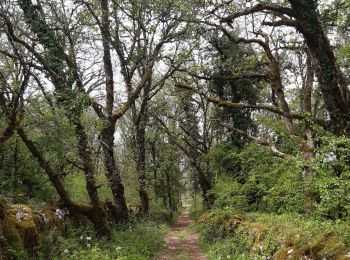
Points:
point(74, 208)
point(112, 172)
point(324, 62)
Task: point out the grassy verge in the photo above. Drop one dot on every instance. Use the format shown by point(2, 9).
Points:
point(226, 235)
point(136, 240)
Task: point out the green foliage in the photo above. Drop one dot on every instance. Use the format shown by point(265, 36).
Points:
point(228, 65)
point(20, 176)
point(270, 236)
point(137, 240)
point(332, 177)
point(76, 185)
point(54, 51)
point(272, 197)
point(344, 55)
point(252, 179)
point(277, 134)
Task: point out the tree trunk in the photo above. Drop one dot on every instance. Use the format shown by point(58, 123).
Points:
point(140, 129)
point(112, 172)
point(308, 146)
point(98, 214)
point(206, 186)
point(192, 155)
point(8, 132)
point(92, 214)
point(107, 135)
point(141, 170)
point(53, 176)
point(171, 204)
point(324, 64)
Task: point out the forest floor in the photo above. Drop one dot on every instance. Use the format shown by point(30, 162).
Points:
point(181, 242)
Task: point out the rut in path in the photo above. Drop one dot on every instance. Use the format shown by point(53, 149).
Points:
point(181, 242)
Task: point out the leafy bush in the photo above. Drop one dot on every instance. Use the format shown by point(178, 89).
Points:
point(331, 178)
point(259, 182)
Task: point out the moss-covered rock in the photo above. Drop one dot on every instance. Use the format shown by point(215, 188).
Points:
point(22, 219)
point(326, 246)
point(49, 217)
point(21, 225)
point(231, 224)
point(270, 236)
point(11, 243)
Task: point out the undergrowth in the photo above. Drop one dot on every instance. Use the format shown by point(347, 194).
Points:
point(226, 235)
point(136, 240)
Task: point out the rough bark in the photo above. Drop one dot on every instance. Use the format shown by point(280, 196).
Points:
point(113, 173)
point(308, 147)
point(8, 132)
point(107, 135)
point(140, 119)
point(141, 167)
point(84, 152)
point(324, 63)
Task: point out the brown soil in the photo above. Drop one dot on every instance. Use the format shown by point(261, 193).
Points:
point(181, 242)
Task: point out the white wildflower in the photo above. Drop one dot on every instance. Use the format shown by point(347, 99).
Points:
point(81, 237)
point(118, 248)
point(88, 245)
point(88, 238)
point(330, 157)
point(59, 213)
point(19, 215)
point(66, 251)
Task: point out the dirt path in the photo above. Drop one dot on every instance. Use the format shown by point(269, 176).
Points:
point(181, 242)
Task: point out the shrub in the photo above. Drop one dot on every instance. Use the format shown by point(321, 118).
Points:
point(331, 178)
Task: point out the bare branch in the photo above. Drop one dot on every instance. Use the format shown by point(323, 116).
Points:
point(223, 103)
point(259, 8)
point(257, 140)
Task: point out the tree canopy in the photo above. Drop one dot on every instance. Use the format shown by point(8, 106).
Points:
point(111, 108)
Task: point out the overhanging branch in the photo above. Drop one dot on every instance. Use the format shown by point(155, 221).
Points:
point(257, 140)
point(259, 8)
point(222, 103)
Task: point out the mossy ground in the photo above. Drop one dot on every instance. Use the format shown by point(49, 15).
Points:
point(271, 236)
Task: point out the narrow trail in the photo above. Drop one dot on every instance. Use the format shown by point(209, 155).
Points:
point(182, 242)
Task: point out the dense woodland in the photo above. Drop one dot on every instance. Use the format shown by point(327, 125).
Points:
point(115, 113)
